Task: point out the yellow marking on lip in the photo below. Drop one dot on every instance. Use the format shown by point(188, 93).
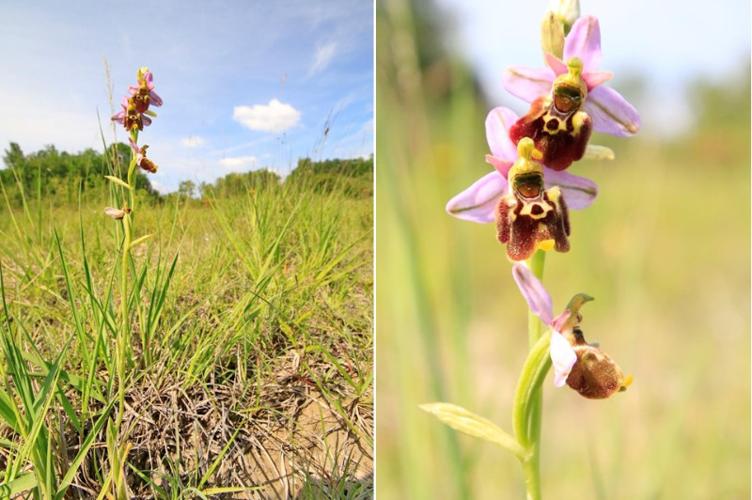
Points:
point(627, 382)
point(527, 210)
point(545, 245)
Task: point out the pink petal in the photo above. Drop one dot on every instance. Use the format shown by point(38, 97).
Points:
point(584, 41)
point(560, 321)
point(133, 144)
point(556, 64)
point(536, 296)
point(579, 192)
point(528, 83)
point(478, 202)
point(500, 165)
point(498, 122)
point(155, 99)
point(147, 120)
point(563, 358)
point(611, 113)
point(118, 117)
point(595, 78)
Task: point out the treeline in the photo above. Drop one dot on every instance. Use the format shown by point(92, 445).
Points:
point(353, 177)
point(59, 177)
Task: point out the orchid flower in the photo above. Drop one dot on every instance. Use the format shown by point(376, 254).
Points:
point(143, 94)
point(529, 216)
point(609, 111)
point(556, 122)
point(130, 117)
point(582, 366)
point(116, 213)
point(478, 203)
point(141, 159)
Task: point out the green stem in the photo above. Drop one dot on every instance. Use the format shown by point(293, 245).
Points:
point(534, 325)
point(529, 397)
point(526, 404)
point(132, 173)
point(123, 342)
point(534, 364)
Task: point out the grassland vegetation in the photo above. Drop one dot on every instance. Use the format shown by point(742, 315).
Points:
point(249, 371)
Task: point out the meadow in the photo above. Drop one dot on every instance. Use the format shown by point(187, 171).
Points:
point(664, 250)
point(249, 366)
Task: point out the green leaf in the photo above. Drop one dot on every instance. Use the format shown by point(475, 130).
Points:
point(460, 419)
point(73, 468)
point(8, 411)
point(22, 483)
point(229, 489)
point(139, 241)
point(218, 460)
point(118, 181)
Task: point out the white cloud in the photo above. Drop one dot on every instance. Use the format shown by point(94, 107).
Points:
point(273, 117)
point(235, 162)
point(192, 141)
point(322, 58)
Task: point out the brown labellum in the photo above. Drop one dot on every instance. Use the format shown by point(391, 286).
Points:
point(595, 375)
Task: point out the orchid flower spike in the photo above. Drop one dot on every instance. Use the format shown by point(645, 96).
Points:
point(478, 203)
point(582, 366)
point(529, 216)
point(609, 111)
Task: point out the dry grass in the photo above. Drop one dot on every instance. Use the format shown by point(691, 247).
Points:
point(255, 381)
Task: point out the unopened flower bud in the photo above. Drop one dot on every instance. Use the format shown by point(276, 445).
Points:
point(567, 11)
point(552, 35)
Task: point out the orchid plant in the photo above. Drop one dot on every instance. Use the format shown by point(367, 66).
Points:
point(528, 195)
point(134, 116)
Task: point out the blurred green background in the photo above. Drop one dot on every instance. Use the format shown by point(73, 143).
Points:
point(664, 250)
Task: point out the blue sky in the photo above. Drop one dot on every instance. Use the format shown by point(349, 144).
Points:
point(668, 42)
point(246, 84)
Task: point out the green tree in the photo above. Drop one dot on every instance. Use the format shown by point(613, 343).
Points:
point(187, 189)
